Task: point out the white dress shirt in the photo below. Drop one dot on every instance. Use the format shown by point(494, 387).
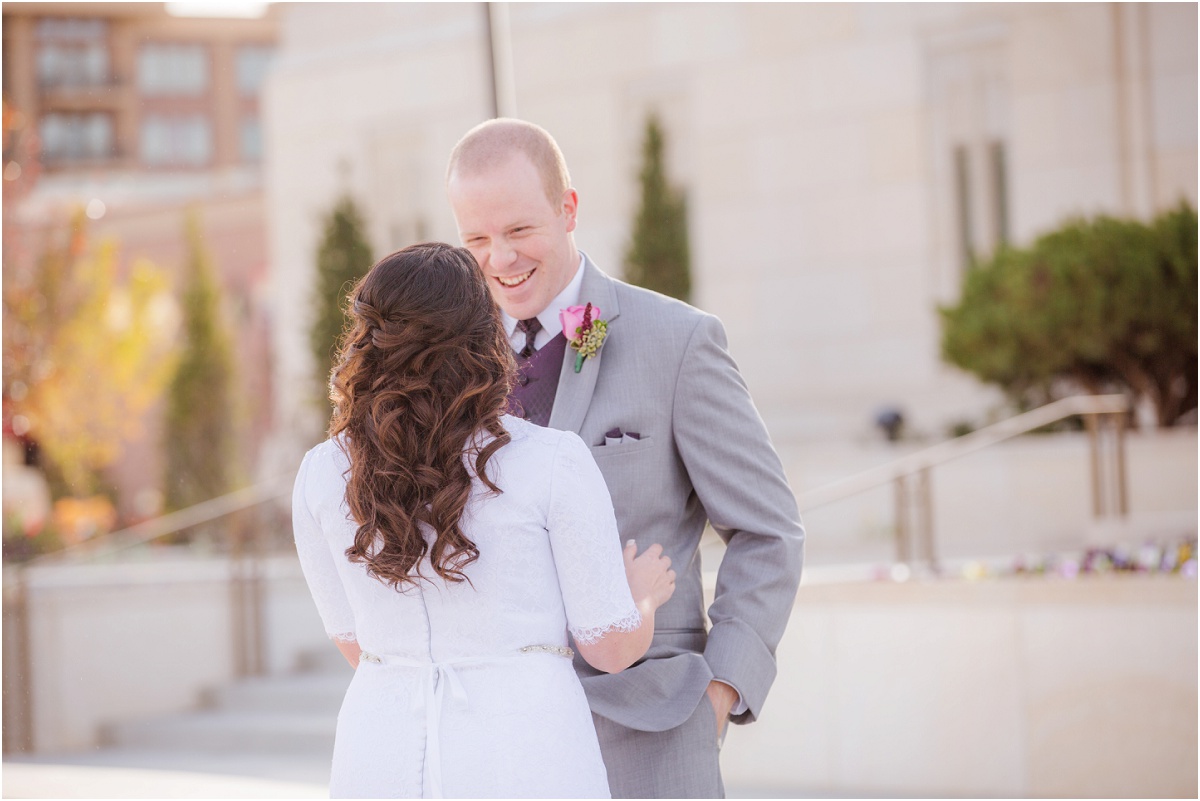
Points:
point(548, 317)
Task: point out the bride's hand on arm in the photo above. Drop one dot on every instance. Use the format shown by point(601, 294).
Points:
point(651, 579)
point(651, 582)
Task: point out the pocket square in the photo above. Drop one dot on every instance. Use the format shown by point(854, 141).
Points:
point(616, 437)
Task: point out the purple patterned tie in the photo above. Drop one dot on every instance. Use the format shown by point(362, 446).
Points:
point(530, 328)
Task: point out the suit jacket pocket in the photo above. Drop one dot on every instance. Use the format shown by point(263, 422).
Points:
point(629, 446)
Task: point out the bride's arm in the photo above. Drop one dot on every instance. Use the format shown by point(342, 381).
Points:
point(610, 596)
point(350, 650)
point(651, 582)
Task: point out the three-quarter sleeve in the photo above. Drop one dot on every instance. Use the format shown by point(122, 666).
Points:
point(587, 547)
point(317, 558)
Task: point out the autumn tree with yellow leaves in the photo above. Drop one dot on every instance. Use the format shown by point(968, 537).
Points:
point(87, 352)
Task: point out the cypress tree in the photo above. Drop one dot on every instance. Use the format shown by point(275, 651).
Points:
point(658, 257)
point(343, 257)
point(199, 425)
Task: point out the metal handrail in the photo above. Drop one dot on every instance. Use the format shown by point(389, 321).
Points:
point(172, 523)
point(968, 443)
point(910, 475)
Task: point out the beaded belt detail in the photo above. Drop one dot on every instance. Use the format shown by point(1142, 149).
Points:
point(558, 650)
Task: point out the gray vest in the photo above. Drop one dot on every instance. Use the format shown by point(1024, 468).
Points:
point(532, 396)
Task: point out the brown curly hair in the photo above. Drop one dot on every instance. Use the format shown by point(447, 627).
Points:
point(424, 369)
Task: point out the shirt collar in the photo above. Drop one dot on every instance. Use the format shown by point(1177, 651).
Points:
point(549, 315)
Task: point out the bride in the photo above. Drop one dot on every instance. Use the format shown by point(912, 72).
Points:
point(450, 549)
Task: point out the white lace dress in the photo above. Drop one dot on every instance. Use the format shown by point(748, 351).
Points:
point(450, 699)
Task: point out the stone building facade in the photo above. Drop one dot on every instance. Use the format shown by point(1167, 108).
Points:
point(840, 162)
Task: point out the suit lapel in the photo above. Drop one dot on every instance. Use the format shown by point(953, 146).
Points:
point(574, 393)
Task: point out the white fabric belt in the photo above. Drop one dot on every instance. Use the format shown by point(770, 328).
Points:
point(437, 676)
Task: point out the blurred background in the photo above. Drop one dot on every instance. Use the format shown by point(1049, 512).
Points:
point(954, 247)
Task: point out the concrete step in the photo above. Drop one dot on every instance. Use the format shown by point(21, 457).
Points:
point(319, 693)
point(223, 731)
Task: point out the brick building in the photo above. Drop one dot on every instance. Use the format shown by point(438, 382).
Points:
point(141, 116)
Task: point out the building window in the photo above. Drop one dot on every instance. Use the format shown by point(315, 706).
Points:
point(998, 185)
point(173, 69)
point(980, 176)
point(962, 204)
point(76, 136)
point(971, 117)
point(176, 140)
point(252, 64)
point(251, 139)
point(72, 53)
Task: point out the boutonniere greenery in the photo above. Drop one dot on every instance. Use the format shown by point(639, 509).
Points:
point(584, 330)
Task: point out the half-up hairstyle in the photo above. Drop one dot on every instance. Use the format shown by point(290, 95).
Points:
point(423, 371)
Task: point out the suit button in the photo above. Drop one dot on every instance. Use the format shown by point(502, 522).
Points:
point(522, 380)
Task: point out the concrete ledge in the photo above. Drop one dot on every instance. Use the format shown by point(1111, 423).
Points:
point(1016, 687)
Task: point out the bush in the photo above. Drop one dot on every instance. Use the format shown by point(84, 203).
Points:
point(1099, 305)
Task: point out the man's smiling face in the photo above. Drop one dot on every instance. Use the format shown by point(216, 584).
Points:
point(521, 239)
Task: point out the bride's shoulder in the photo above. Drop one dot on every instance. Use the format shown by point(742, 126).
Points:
point(530, 437)
point(327, 455)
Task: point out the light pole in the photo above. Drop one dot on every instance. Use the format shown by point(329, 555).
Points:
point(499, 62)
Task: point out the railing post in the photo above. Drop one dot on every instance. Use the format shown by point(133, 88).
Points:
point(1093, 429)
point(254, 626)
point(237, 588)
point(1120, 474)
point(18, 669)
point(903, 529)
point(247, 594)
point(925, 516)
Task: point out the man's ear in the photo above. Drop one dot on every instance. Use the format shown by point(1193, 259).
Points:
point(570, 207)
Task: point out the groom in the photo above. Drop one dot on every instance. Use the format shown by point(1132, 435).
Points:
point(671, 424)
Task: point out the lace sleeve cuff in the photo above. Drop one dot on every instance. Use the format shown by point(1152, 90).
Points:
point(593, 634)
point(343, 636)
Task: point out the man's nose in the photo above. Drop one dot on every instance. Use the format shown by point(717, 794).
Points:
point(501, 255)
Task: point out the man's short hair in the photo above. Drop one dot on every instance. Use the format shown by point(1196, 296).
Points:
point(490, 142)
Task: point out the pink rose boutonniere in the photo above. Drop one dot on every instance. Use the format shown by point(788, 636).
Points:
point(584, 330)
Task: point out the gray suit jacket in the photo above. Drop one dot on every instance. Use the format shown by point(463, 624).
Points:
point(664, 372)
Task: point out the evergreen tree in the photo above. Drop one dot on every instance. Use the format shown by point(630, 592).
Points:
point(658, 257)
point(343, 257)
point(199, 426)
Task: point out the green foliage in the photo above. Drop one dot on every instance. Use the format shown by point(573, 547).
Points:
point(1098, 305)
point(87, 352)
point(199, 438)
point(343, 257)
point(658, 257)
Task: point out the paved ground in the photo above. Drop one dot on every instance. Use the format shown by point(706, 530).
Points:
point(36, 780)
point(118, 773)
